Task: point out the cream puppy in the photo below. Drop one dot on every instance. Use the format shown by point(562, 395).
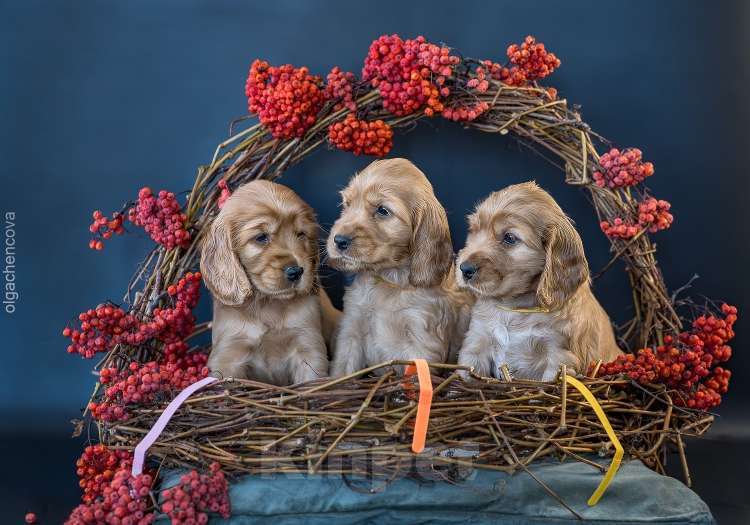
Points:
point(259, 260)
point(393, 233)
point(524, 262)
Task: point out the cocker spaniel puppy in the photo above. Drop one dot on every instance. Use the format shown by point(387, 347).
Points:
point(259, 260)
point(524, 261)
point(393, 233)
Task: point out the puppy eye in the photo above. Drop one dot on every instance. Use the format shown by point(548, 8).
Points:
point(510, 239)
point(262, 239)
point(301, 235)
point(382, 211)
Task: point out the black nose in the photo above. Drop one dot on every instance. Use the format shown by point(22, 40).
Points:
point(468, 270)
point(293, 273)
point(342, 242)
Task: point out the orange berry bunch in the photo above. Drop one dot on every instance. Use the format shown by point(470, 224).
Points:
point(188, 502)
point(97, 467)
point(531, 61)
point(468, 112)
point(621, 169)
point(286, 99)
point(125, 500)
point(162, 218)
point(140, 384)
point(340, 85)
point(686, 363)
point(619, 229)
point(108, 325)
point(361, 136)
point(409, 74)
point(104, 228)
point(479, 81)
point(465, 113)
point(654, 214)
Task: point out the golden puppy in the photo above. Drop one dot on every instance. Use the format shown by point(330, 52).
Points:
point(393, 233)
point(259, 260)
point(525, 263)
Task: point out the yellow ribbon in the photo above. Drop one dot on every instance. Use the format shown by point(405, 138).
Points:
point(612, 470)
point(534, 310)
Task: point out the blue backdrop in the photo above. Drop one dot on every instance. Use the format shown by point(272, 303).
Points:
point(100, 98)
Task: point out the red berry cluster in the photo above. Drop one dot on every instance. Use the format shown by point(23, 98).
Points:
point(469, 112)
point(177, 321)
point(532, 61)
point(97, 467)
point(224, 194)
point(621, 169)
point(654, 214)
point(100, 330)
point(141, 383)
point(103, 228)
point(409, 74)
point(286, 99)
point(124, 501)
point(340, 85)
point(361, 136)
point(479, 81)
point(162, 218)
point(466, 113)
point(687, 363)
point(103, 328)
point(619, 229)
point(196, 494)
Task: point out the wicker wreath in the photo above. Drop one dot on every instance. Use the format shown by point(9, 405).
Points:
point(362, 424)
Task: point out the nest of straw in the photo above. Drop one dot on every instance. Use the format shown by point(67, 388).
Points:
point(362, 422)
point(362, 425)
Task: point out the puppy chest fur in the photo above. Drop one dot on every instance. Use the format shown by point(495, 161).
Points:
point(278, 342)
point(383, 322)
point(533, 345)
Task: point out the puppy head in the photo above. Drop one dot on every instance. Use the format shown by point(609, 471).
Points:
point(521, 242)
point(264, 241)
point(391, 219)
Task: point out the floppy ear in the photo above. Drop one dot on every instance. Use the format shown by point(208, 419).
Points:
point(565, 267)
point(431, 247)
point(221, 269)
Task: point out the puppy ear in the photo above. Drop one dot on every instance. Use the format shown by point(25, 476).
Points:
point(221, 269)
point(431, 247)
point(565, 267)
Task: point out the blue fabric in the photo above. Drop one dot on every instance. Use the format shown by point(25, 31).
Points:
point(636, 495)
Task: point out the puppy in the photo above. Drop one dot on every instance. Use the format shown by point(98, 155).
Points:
point(259, 260)
point(393, 233)
point(525, 263)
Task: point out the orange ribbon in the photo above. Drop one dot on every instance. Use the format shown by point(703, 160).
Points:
point(423, 405)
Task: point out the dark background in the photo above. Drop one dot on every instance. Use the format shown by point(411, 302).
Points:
point(98, 99)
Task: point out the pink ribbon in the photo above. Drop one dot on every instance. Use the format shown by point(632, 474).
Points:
point(140, 450)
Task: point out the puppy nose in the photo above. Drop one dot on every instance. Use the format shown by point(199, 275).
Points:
point(293, 273)
point(468, 270)
point(342, 242)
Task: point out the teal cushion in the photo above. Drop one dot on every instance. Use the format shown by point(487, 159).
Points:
point(636, 495)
